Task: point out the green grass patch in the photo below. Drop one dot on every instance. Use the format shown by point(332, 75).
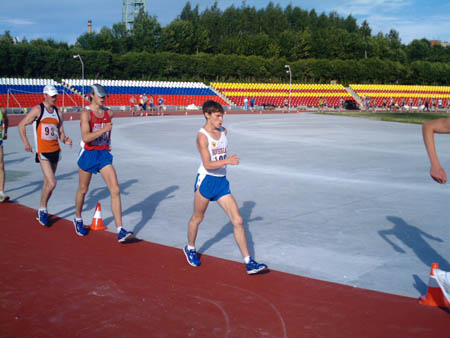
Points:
point(418, 118)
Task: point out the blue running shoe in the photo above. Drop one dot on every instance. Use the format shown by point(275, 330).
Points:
point(42, 217)
point(191, 256)
point(79, 228)
point(124, 235)
point(253, 267)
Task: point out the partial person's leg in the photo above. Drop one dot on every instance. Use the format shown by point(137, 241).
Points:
point(229, 205)
point(84, 179)
point(200, 205)
point(2, 170)
point(3, 196)
point(109, 175)
point(48, 170)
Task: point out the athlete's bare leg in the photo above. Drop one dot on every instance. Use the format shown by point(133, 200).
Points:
point(109, 175)
point(84, 178)
point(48, 169)
point(229, 205)
point(2, 170)
point(200, 205)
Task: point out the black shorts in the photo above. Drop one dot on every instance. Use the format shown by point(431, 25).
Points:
point(53, 157)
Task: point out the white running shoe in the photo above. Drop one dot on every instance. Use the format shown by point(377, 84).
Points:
point(443, 281)
point(3, 197)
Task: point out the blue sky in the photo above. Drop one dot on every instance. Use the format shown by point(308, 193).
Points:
point(65, 20)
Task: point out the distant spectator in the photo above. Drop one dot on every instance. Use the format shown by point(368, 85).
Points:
point(252, 103)
point(384, 103)
point(160, 105)
point(151, 103)
point(427, 107)
point(391, 104)
point(133, 107)
point(410, 103)
point(341, 103)
point(440, 103)
point(320, 103)
point(245, 103)
point(144, 99)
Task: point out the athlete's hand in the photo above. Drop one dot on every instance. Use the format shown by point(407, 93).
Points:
point(28, 148)
point(438, 174)
point(68, 141)
point(233, 160)
point(107, 127)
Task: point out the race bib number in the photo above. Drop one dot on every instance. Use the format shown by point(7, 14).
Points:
point(49, 132)
point(103, 140)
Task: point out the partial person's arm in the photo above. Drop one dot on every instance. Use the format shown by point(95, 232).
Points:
point(439, 126)
point(5, 125)
point(86, 134)
point(202, 145)
point(32, 116)
point(62, 136)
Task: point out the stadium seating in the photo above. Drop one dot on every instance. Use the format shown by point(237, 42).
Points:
point(410, 95)
point(173, 93)
point(25, 93)
point(276, 94)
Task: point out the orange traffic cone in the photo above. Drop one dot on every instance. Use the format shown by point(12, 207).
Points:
point(434, 296)
point(97, 221)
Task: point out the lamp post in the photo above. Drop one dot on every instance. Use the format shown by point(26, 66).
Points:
point(82, 73)
point(290, 83)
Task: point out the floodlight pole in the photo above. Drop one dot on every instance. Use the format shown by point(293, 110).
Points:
point(82, 73)
point(288, 67)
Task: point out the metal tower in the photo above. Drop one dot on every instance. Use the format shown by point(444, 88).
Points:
point(130, 11)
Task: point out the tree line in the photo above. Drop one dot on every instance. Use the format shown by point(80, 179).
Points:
point(236, 44)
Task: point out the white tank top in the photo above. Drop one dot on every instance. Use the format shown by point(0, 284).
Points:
point(217, 151)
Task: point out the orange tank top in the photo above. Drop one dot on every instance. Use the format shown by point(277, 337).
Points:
point(46, 130)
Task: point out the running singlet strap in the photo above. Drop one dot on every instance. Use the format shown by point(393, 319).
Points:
point(96, 123)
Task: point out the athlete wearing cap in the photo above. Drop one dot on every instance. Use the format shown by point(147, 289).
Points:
point(95, 157)
point(48, 128)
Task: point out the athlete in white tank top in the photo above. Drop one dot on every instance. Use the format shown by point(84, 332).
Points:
point(218, 151)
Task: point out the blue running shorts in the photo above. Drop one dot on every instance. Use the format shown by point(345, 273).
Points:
point(93, 161)
point(212, 187)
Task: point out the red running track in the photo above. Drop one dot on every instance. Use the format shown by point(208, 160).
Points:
point(56, 284)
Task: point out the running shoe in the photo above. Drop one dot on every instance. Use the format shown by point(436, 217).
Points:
point(124, 235)
point(443, 281)
point(42, 217)
point(3, 197)
point(254, 267)
point(191, 256)
point(79, 228)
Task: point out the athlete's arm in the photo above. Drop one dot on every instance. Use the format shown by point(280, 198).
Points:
point(86, 134)
point(62, 136)
point(202, 145)
point(32, 116)
point(5, 124)
point(439, 126)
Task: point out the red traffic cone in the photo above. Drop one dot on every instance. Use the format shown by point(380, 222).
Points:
point(97, 221)
point(434, 296)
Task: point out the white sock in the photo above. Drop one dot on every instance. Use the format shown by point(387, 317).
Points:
point(1, 192)
point(78, 219)
point(118, 229)
point(247, 259)
point(43, 209)
point(191, 247)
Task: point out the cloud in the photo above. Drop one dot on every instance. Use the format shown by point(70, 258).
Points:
point(366, 7)
point(16, 22)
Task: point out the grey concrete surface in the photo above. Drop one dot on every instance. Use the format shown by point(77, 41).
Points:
point(346, 200)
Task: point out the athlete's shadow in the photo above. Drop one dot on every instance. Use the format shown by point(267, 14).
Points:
point(93, 197)
point(37, 185)
point(147, 207)
point(414, 238)
point(16, 160)
point(227, 229)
